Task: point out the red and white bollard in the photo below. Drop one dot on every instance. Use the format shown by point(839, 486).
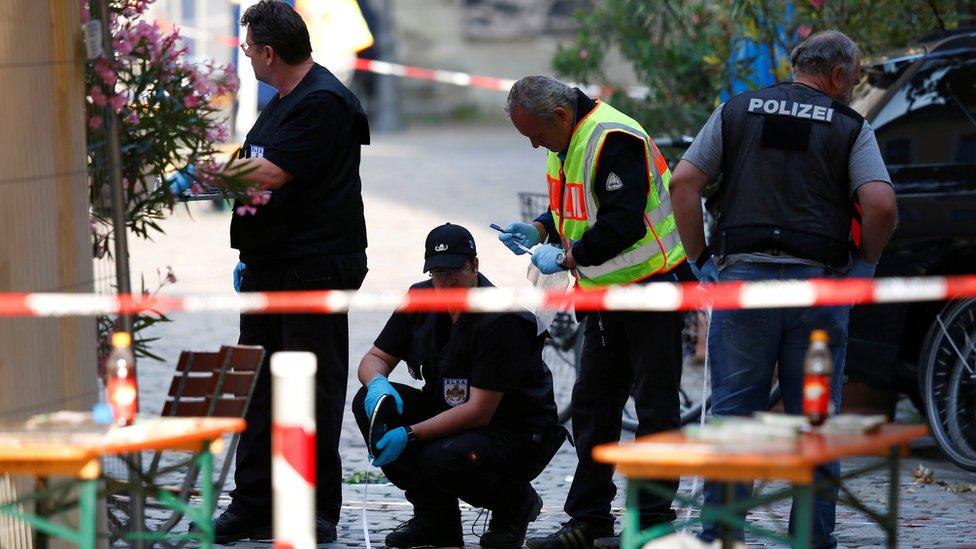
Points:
point(293, 449)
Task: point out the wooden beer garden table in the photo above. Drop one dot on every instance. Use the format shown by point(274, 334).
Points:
point(670, 455)
point(76, 453)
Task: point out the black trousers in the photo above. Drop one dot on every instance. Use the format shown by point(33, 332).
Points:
point(486, 467)
point(327, 336)
point(623, 350)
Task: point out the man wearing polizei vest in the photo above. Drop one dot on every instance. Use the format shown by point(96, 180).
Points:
point(610, 223)
point(793, 158)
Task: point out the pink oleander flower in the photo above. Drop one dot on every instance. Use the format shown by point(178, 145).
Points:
point(217, 134)
point(95, 122)
point(816, 3)
point(98, 96)
point(132, 118)
point(803, 31)
point(191, 101)
point(118, 101)
point(246, 210)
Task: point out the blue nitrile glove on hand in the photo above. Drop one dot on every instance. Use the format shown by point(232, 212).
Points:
point(239, 276)
point(390, 446)
point(708, 271)
point(377, 387)
point(862, 268)
point(545, 258)
point(181, 180)
point(519, 233)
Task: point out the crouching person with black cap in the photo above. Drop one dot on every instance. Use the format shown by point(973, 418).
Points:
point(484, 424)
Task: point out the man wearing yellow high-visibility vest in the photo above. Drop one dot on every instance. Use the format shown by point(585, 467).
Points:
point(610, 223)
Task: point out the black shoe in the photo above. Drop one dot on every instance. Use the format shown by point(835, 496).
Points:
point(573, 535)
point(507, 528)
point(325, 530)
point(427, 530)
point(231, 526)
point(612, 542)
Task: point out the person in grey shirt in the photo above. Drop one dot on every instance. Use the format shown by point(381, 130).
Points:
point(790, 162)
point(865, 166)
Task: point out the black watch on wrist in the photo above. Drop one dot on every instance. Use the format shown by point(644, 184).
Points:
point(411, 436)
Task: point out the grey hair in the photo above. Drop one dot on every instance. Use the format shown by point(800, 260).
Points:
point(823, 51)
point(539, 96)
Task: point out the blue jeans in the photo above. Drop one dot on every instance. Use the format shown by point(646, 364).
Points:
point(746, 346)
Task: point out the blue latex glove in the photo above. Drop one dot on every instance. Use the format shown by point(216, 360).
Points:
point(379, 386)
point(862, 268)
point(390, 446)
point(238, 276)
point(708, 272)
point(181, 180)
point(544, 257)
point(519, 233)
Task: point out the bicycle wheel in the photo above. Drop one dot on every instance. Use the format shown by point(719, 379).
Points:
point(562, 353)
point(947, 379)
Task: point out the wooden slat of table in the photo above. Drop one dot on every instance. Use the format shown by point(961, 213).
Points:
point(27, 453)
point(670, 455)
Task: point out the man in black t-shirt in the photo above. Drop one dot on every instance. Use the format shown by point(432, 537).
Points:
point(304, 149)
point(484, 424)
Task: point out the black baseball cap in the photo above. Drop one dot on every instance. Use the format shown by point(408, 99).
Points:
point(448, 247)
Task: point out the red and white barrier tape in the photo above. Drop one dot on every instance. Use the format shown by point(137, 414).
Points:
point(408, 71)
point(659, 296)
point(293, 449)
point(474, 80)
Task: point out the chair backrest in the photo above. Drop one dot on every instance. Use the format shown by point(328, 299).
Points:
point(193, 384)
point(233, 387)
point(214, 383)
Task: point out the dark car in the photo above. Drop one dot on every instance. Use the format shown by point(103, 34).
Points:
point(922, 106)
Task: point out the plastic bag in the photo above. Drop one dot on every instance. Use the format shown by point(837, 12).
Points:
point(560, 281)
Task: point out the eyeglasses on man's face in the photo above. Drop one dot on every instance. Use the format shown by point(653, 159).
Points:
point(246, 48)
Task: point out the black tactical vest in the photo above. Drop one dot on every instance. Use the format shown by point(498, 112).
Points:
point(785, 185)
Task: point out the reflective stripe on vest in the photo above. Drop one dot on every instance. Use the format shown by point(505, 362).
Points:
point(660, 249)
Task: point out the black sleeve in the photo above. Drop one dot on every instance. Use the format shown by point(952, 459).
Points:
point(552, 236)
point(306, 137)
point(620, 217)
point(395, 337)
point(502, 353)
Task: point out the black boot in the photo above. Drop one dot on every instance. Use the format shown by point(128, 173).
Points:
point(507, 527)
point(233, 525)
point(427, 530)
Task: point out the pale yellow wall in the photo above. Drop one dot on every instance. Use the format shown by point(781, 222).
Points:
point(45, 364)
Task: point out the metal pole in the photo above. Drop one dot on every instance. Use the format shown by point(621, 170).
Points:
point(114, 161)
point(387, 116)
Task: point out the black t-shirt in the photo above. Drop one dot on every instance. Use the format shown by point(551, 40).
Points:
point(491, 351)
point(314, 133)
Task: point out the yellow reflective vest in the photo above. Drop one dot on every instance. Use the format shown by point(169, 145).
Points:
point(573, 202)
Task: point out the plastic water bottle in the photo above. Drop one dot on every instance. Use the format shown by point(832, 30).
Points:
point(817, 370)
point(121, 388)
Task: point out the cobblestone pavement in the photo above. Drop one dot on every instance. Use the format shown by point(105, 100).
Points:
point(414, 181)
